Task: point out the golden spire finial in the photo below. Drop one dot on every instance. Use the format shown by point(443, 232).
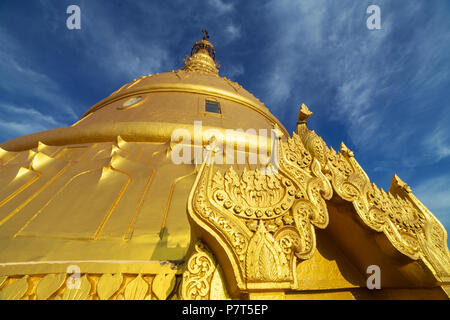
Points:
point(202, 58)
point(303, 114)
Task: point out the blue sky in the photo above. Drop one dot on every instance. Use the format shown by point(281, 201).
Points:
point(385, 93)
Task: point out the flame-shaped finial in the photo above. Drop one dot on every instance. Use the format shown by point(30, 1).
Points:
point(202, 58)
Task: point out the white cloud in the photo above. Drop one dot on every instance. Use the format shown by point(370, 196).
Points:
point(233, 32)
point(123, 54)
point(221, 6)
point(18, 76)
point(328, 42)
point(30, 113)
point(438, 143)
point(435, 195)
point(16, 129)
point(233, 71)
point(17, 121)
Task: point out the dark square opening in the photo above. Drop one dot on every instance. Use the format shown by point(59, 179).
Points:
point(211, 106)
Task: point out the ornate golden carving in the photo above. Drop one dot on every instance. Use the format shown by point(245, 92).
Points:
point(396, 215)
point(303, 114)
point(202, 279)
point(92, 287)
point(264, 221)
point(81, 293)
point(136, 289)
point(163, 285)
point(406, 222)
point(108, 285)
point(15, 290)
point(49, 285)
point(202, 58)
point(266, 261)
point(198, 274)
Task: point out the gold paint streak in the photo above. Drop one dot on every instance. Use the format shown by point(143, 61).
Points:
point(14, 157)
point(155, 153)
point(140, 154)
point(126, 151)
point(26, 185)
point(169, 200)
point(79, 121)
point(135, 83)
point(59, 152)
point(9, 216)
point(127, 235)
point(53, 155)
point(50, 200)
point(117, 91)
point(114, 205)
point(87, 151)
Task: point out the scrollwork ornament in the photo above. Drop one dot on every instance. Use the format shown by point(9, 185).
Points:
point(198, 274)
point(398, 214)
point(251, 214)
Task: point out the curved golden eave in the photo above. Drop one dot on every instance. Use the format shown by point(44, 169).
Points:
point(157, 132)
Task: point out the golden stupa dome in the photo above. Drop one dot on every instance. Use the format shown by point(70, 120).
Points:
point(104, 194)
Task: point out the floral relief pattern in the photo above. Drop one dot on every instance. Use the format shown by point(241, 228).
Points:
point(265, 223)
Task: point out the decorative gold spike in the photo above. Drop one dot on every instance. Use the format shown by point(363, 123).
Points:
point(3, 152)
point(121, 143)
point(346, 151)
point(303, 114)
point(277, 130)
point(41, 146)
point(399, 183)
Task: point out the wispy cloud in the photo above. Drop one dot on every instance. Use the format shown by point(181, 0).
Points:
point(121, 53)
point(18, 121)
point(233, 32)
point(18, 75)
point(221, 6)
point(233, 71)
point(31, 115)
point(322, 50)
point(437, 143)
point(18, 129)
point(435, 194)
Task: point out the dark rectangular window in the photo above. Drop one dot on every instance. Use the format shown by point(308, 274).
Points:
point(211, 106)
